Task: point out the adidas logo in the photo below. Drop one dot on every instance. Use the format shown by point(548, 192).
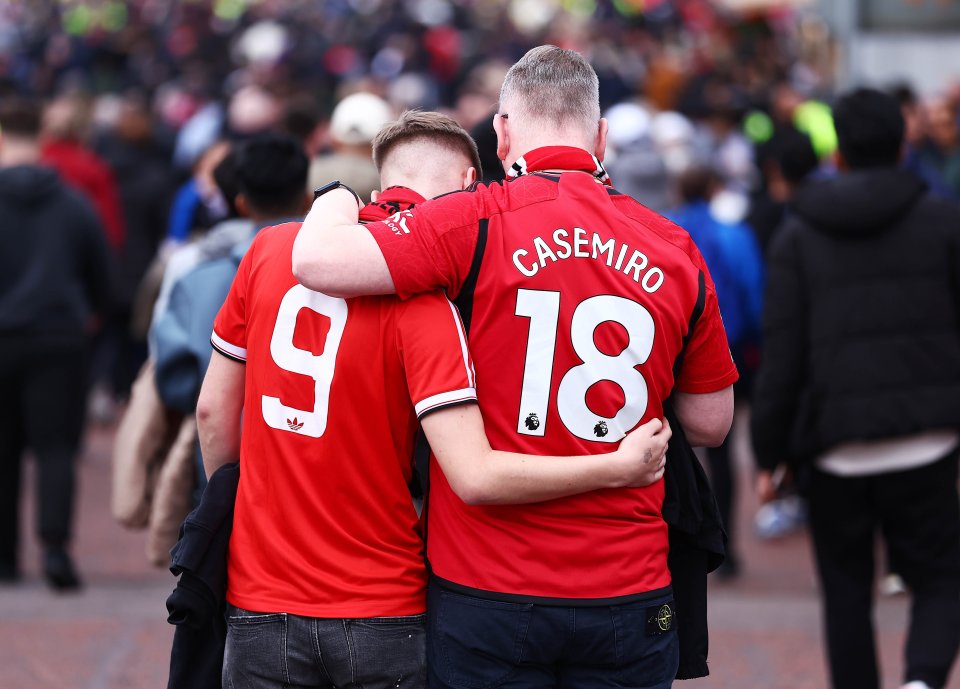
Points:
point(294, 425)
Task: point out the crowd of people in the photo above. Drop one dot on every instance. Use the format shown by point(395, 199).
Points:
point(146, 145)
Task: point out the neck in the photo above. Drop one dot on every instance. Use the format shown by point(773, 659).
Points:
point(19, 152)
point(526, 144)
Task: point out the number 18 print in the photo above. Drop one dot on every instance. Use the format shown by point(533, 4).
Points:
point(543, 310)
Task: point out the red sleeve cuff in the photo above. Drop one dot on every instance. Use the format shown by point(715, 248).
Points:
point(708, 386)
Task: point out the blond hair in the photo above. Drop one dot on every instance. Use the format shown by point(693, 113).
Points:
point(431, 127)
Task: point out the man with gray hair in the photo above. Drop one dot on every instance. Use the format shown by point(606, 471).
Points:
point(585, 311)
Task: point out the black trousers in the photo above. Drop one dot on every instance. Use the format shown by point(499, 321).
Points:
point(43, 388)
point(918, 515)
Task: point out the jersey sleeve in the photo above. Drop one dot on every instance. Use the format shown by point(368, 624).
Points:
point(707, 364)
point(432, 246)
point(230, 326)
point(436, 360)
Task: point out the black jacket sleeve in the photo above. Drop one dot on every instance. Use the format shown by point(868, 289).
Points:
point(780, 380)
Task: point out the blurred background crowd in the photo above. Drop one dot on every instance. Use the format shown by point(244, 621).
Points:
point(718, 111)
point(148, 90)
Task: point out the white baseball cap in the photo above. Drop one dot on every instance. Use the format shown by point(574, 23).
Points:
point(358, 118)
point(626, 123)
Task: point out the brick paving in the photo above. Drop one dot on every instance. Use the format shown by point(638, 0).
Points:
point(113, 635)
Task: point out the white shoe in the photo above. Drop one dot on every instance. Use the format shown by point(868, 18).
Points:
point(101, 407)
point(893, 585)
point(916, 685)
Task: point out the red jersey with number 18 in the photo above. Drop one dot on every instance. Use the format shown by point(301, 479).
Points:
point(584, 310)
point(324, 523)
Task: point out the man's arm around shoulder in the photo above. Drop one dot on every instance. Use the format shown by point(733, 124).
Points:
point(480, 475)
point(335, 255)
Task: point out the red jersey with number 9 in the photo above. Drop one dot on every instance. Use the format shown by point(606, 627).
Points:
point(324, 523)
point(584, 310)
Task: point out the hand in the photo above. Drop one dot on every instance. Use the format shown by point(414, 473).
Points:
point(766, 487)
point(643, 454)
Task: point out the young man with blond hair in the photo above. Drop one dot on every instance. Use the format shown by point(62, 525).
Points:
point(327, 580)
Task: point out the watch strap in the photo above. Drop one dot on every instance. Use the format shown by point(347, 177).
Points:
point(336, 184)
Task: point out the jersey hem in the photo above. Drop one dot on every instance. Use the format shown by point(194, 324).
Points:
point(392, 608)
point(549, 600)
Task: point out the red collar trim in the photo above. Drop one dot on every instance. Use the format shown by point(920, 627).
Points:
point(392, 200)
point(564, 158)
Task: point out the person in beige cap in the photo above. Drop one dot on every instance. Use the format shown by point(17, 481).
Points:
point(355, 122)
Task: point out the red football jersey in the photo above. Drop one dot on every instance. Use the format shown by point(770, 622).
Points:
point(578, 303)
point(324, 523)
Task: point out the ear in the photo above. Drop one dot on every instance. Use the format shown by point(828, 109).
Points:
point(500, 126)
point(243, 206)
point(469, 177)
point(374, 195)
point(601, 145)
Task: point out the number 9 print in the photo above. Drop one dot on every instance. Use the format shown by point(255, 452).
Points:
point(311, 423)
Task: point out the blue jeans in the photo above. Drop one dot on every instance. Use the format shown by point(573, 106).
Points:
point(279, 650)
point(476, 643)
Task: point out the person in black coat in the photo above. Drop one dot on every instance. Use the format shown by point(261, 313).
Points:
point(859, 390)
point(55, 286)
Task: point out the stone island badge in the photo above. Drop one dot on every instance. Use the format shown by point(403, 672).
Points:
point(665, 618)
point(659, 620)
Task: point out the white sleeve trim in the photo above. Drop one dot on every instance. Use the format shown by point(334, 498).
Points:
point(445, 399)
point(471, 376)
point(227, 348)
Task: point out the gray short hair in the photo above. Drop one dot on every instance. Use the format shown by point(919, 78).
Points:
point(554, 84)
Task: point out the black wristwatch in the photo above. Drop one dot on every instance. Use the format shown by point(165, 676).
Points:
point(336, 184)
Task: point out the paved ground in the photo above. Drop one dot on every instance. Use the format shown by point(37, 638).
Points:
point(764, 626)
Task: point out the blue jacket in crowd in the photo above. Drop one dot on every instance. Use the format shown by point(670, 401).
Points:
point(736, 266)
point(181, 334)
